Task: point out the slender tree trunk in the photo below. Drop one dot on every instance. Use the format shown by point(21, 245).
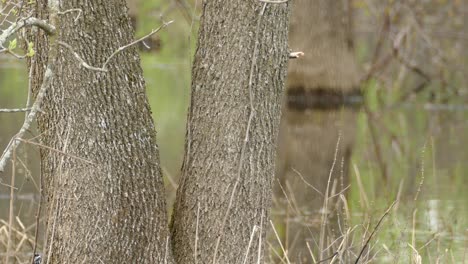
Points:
point(322, 92)
point(222, 208)
point(100, 165)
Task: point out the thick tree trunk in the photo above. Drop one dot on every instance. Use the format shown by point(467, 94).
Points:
point(322, 92)
point(222, 208)
point(104, 198)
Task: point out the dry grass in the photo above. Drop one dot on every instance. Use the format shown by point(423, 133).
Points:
point(16, 242)
point(379, 229)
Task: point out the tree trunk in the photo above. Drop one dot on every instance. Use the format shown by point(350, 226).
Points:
point(222, 208)
point(104, 195)
point(322, 91)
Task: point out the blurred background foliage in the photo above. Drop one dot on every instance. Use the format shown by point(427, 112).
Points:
point(413, 54)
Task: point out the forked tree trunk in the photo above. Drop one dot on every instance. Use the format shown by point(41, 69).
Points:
point(322, 89)
point(222, 208)
point(104, 198)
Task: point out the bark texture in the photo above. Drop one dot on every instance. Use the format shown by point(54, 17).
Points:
point(222, 208)
point(322, 90)
point(104, 198)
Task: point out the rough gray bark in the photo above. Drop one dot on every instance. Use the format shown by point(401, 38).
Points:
point(321, 88)
point(226, 185)
point(104, 198)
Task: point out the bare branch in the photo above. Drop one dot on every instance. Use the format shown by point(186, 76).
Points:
point(30, 21)
point(154, 31)
point(14, 54)
point(57, 150)
point(14, 142)
point(82, 62)
point(70, 11)
point(399, 39)
point(104, 66)
point(17, 110)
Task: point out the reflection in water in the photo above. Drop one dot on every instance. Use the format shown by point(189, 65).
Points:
point(442, 204)
point(433, 215)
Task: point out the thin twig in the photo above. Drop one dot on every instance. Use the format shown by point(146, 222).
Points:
point(32, 66)
point(15, 110)
point(259, 253)
point(58, 151)
point(195, 253)
point(281, 244)
point(38, 215)
point(246, 138)
point(374, 231)
point(117, 51)
point(397, 42)
point(78, 57)
point(376, 143)
point(41, 194)
point(254, 230)
point(154, 31)
point(12, 204)
point(306, 182)
point(54, 222)
point(326, 198)
point(70, 11)
point(327, 258)
point(422, 174)
point(166, 252)
point(375, 65)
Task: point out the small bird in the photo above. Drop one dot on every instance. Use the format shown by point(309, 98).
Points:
point(37, 258)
